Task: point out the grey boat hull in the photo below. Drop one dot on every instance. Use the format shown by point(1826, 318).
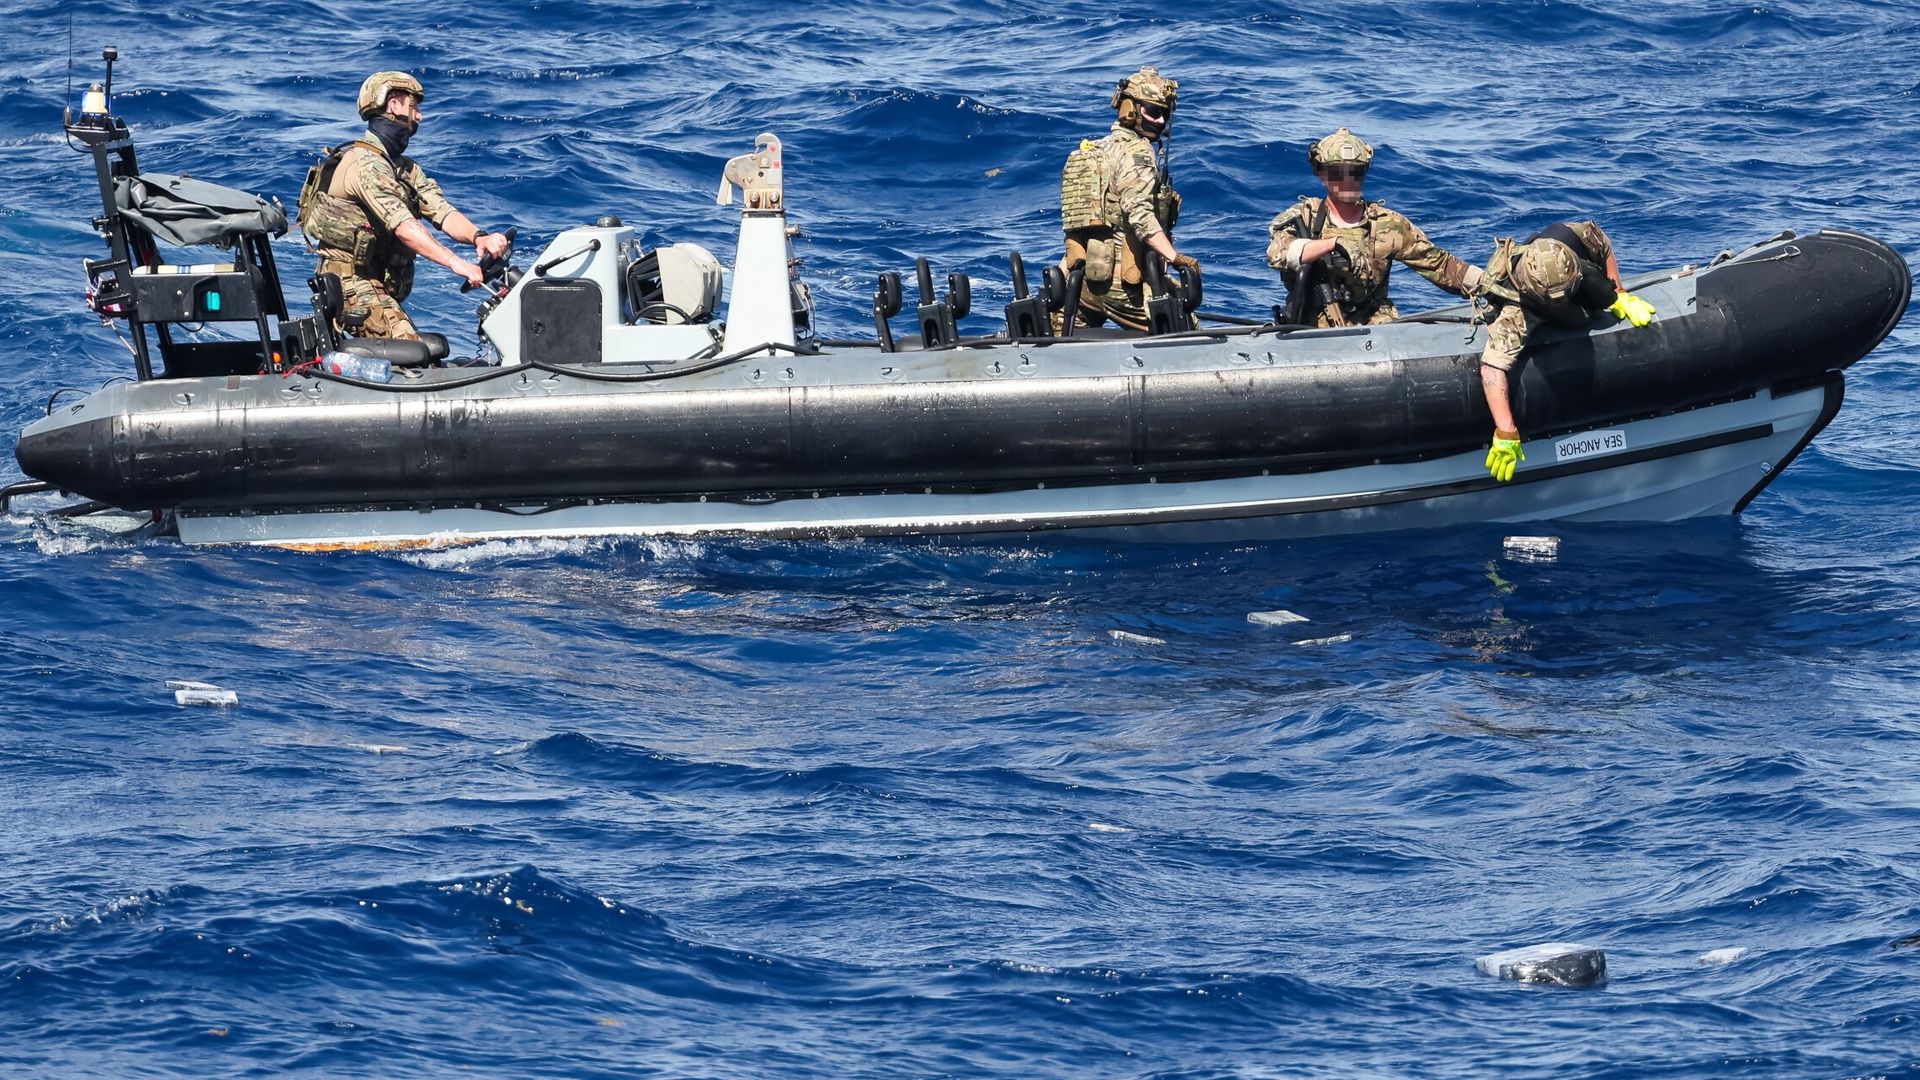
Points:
point(1703, 462)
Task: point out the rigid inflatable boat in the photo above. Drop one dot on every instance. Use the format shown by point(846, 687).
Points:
point(617, 402)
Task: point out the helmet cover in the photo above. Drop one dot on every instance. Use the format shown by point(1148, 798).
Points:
point(1547, 270)
point(380, 85)
point(1342, 147)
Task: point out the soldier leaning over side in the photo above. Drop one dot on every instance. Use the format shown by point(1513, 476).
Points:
point(361, 206)
point(1357, 241)
point(1117, 203)
point(1563, 275)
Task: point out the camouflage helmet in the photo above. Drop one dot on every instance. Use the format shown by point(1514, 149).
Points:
point(380, 85)
point(1342, 147)
point(1149, 87)
point(1547, 270)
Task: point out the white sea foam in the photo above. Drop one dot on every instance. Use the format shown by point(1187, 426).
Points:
point(464, 556)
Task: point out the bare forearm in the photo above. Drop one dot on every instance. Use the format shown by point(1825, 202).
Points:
point(460, 228)
point(1493, 382)
point(422, 243)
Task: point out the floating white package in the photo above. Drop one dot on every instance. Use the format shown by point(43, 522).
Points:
point(1723, 956)
point(1132, 638)
point(214, 696)
point(1337, 639)
point(189, 684)
point(1557, 963)
point(1532, 548)
point(1274, 618)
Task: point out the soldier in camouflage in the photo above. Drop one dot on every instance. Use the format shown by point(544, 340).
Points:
point(1358, 240)
point(1117, 203)
point(1564, 275)
point(361, 206)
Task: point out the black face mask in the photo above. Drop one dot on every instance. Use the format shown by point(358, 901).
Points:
point(392, 134)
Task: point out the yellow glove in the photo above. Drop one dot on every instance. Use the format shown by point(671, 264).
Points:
point(1505, 455)
point(1631, 308)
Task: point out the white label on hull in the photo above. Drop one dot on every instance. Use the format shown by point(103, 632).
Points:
point(1589, 444)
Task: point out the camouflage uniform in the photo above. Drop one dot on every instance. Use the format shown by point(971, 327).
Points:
point(1131, 201)
point(1383, 237)
point(1517, 318)
point(353, 224)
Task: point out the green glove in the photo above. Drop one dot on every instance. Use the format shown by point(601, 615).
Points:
point(1505, 455)
point(1631, 308)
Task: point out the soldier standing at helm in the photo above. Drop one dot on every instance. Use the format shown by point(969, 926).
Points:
point(1117, 203)
point(1356, 242)
point(1564, 275)
point(361, 206)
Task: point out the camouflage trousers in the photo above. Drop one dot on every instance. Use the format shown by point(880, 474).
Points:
point(1125, 304)
point(385, 318)
point(1383, 312)
point(1507, 336)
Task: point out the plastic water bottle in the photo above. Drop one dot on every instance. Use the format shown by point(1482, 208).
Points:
point(348, 365)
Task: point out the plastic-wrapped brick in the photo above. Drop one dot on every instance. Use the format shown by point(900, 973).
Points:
point(1556, 963)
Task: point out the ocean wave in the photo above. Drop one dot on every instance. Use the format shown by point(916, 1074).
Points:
point(723, 807)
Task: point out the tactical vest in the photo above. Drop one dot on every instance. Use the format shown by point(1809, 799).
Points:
point(1082, 189)
point(1359, 289)
point(341, 231)
point(1110, 251)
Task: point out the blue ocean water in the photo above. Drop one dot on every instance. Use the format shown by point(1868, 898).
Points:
point(918, 808)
